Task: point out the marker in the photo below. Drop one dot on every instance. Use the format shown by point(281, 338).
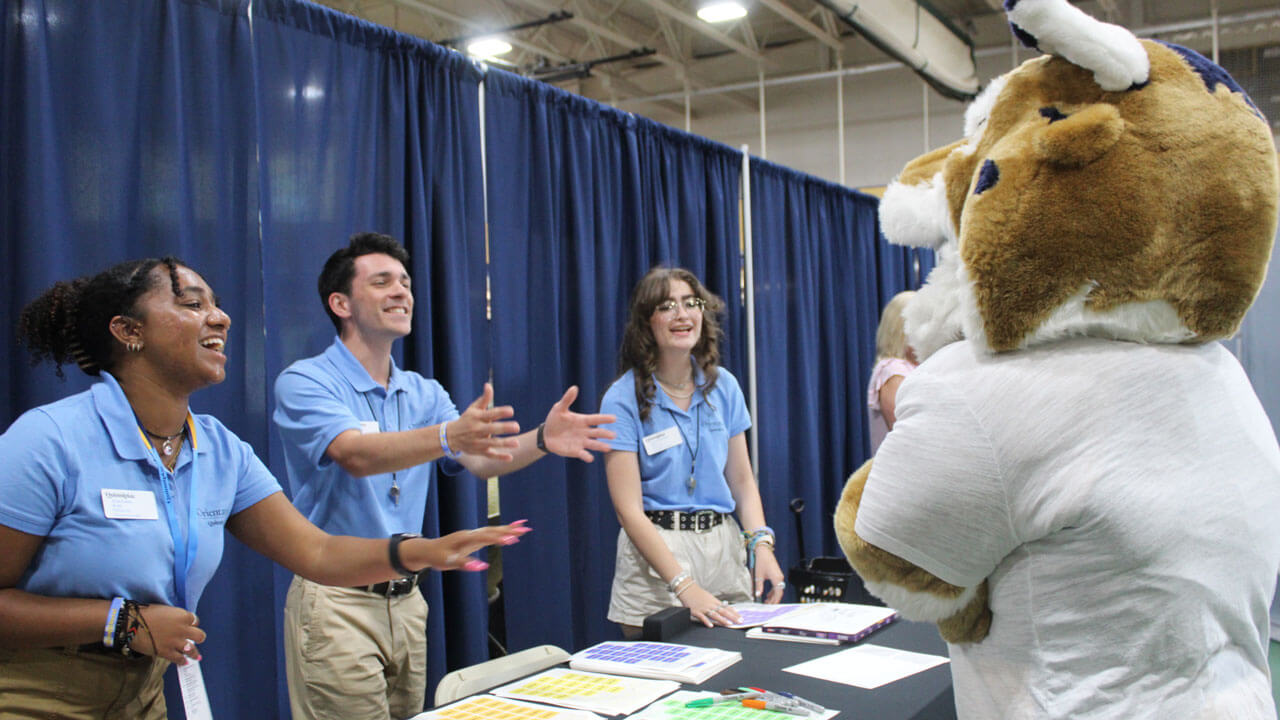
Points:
point(809, 705)
point(775, 706)
point(731, 697)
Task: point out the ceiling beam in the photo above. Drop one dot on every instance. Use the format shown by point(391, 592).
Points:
point(620, 82)
point(703, 28)
point(803, 23)
point(580, 20)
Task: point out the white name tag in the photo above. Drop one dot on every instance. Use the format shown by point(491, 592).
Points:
point(194, 697)
point(369, 427)
point(129, 504)
point(662, 440)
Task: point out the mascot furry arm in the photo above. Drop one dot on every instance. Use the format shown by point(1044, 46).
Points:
point(1115, 188)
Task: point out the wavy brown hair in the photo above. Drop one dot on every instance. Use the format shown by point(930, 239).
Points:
point(639, 350)
point(70, 322)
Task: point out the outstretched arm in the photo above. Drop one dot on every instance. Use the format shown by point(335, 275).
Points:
point(481, 431)
point(565, 433)
point(276, 529)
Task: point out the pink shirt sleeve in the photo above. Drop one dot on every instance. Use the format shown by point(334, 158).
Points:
point(880, 374)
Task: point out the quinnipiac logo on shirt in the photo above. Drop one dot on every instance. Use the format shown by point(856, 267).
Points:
point(214, 517)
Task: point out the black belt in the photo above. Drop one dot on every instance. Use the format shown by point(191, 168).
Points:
point(393, 588)
point(700, 521)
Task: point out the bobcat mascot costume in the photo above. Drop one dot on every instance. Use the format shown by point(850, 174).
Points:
point(1082, 489)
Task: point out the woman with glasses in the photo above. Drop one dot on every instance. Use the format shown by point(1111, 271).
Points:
point(679, 466)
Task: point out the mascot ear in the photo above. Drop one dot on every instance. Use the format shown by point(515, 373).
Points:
point(1080, 138)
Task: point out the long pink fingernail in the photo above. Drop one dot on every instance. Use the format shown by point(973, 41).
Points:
point(476, 565)
point(519, 522)
point(510, 540)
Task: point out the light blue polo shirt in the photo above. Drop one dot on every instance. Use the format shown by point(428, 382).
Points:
point(59, 458)
point(321, 397)
point(706, 427)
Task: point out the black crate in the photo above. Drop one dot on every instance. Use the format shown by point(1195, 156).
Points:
point(828, 579)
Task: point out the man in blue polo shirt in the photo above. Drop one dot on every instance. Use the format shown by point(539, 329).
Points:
point(360, 436)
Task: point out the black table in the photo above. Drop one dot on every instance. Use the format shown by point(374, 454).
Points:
point(923, 696)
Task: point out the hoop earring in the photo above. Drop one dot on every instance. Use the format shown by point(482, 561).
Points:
point(133, 347)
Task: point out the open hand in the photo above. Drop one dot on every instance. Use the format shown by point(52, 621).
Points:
point(453, 551)
point(570, 434)
point(477, 430)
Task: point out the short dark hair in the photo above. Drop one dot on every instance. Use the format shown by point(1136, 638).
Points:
point(340, 268)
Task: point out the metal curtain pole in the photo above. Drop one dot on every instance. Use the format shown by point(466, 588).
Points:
point(754, 432)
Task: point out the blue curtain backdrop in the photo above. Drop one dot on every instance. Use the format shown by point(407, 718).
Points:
point(362, 128)
point(128, 132)
point(583, 200)
point(254, 147)
point(822, 274)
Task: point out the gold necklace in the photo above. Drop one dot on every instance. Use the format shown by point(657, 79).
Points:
point(667, 387)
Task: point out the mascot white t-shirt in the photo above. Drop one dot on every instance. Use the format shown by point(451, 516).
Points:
point(1063, 474)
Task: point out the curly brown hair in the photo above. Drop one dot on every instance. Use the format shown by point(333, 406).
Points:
point(70, 322)
point(639, 351)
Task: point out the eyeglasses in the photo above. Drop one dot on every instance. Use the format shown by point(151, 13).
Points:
point(690, 303)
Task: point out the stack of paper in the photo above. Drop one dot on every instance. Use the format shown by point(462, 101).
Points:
point(844, 622)
point(663, 661)
point(605, 694)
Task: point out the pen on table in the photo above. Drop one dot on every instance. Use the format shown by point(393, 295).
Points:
point(730, 697)
point(775, 706)
point(809, 705)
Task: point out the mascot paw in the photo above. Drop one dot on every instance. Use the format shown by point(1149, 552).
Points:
point(962, 613)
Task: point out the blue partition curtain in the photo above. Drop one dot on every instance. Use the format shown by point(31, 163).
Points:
point(252, 140)
point(822, 274)
point(583, 200)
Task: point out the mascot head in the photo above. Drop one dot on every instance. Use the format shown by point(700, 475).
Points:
point(1113, 188)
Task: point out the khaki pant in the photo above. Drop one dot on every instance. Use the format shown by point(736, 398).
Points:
point(353, 655)
point(69, 684)
point(716, 559)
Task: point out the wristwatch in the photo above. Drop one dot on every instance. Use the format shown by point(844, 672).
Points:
point(542, 440)
point(393, 553)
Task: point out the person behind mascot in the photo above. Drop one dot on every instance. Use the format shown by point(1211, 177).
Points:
point(1082, 488)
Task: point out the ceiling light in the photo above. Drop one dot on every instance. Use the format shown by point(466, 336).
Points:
point(718, 12)
point(487, 47)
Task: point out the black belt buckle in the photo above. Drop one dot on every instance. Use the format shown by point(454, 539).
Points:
point(394, 588)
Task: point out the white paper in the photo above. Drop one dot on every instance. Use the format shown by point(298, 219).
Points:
point(129, 504)
point(369, 427)
point(758, 633)
point(663, 439)
point(867, 666)
point(194, 697)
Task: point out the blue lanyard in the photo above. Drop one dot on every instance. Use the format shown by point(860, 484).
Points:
point(693, 449)
point(184, 549)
